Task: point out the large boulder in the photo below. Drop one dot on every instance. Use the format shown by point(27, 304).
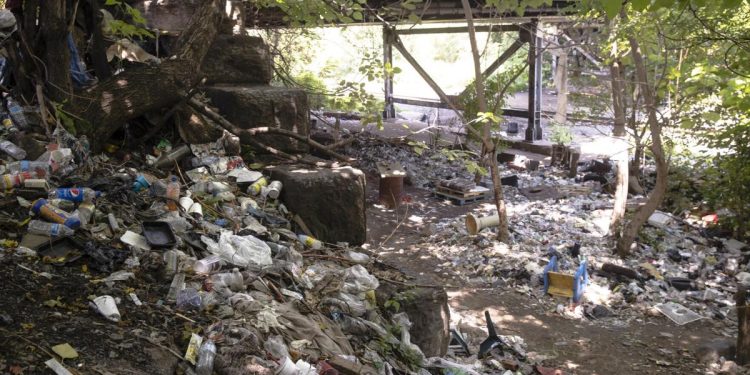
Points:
point(252, 106)
point(238, 59)
point(428, 312)
point(331, 202)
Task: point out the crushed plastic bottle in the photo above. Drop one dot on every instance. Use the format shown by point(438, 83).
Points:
point(75, 194)
point(49, 229)
point(178, 283)
point(17, 113)
point(43, 209)
point(11, 149)
point(206, 357)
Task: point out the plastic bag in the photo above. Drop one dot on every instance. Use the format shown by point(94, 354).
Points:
point(240, 250)
point(358, 280)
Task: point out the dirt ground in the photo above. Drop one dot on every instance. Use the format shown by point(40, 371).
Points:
point(651, 345)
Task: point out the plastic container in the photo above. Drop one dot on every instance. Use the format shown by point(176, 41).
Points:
point(141, 182)
point(173, 193)
point(158, 234)
point(43, 209)
point(170, 261)
point(211, 263)
point(39, 168)
point(49, 229)
point(75, 194)
point(11, 149)
point(17, 113)
point(206, 356)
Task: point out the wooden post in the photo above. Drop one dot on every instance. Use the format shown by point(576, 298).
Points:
point(743, 326)
point(561, 79)
point(390, 110)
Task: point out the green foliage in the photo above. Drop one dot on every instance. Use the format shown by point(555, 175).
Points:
point(561, 134)
point(123, 29)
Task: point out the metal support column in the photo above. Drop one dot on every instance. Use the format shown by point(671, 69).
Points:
point(534, 127)
point(390, 110)
point(538, 80)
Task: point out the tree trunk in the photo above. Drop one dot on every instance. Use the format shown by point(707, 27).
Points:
point(621, 155)
point(54, 33)
point(488, 146)
point(561, 79)
point(107, 105)
point(657, 195)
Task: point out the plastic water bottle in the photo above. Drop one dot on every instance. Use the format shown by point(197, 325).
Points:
point(75, 194)
point(49, 229)
point(207, 265)
point(40, 168)
point(11, 149)
point(17, 114)
point(206, 355)
point(173, 193)
point(42, 208)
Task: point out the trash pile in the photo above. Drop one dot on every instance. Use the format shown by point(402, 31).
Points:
point(424, 166)
point(678, 271)
point(191, 230)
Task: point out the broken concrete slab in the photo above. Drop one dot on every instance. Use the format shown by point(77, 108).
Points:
point(238, 59)
point(252, 106)
point(337, 213)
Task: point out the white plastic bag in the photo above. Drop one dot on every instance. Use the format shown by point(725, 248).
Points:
point(240, 250)
point(358, 280)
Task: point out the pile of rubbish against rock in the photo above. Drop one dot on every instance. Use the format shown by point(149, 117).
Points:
point(676, 271)
point(215, 235)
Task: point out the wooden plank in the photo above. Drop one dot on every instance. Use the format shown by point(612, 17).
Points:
point(458, 29)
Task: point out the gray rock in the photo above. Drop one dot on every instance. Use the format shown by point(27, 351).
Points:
point(711, 351)
point(252, 106)
point(337, 213)
point(238, 59)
